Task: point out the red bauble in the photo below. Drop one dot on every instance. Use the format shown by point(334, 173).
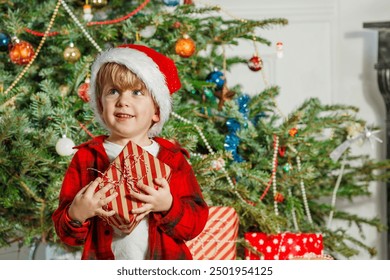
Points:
point(185, 47)
point(83, 91)
point(255, 63)
point(21, 52)
point(176, 24)
point(282, 151)
point(279, 197)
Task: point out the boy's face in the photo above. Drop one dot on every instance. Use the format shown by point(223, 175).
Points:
point(128, 113)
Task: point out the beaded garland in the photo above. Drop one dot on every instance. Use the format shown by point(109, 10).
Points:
point(85, 32)
point(211, 151)
point(24, 71)
point(106, 22)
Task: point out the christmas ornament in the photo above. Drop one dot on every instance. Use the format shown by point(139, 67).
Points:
point(99, 3)
point(255, 63)
point(217, 164)
point(171, 3)
point(185, 47)
point(80, 25)
point(87, 13)
point(21, 52)
point(282, 151)
point(209, 94)
point(148, 31)
point(82, 91)
point(176, 24)
point(279, 49)
point(231, 181)
point(216, 77)
point(279, 197)
point(64, 146)
point(287, 167)
point(4, 42)
point(367, 134)
point(293, 132)
point(71, 53)
point(232, 140)
point(64, 89)
point(224, 95)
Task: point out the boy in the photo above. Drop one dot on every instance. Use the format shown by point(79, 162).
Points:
point(130, 90)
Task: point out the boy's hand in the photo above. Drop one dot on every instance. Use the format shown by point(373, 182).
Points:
point(87, 203)
point(159, 200)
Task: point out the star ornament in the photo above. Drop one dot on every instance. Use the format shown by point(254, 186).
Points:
point(369, 135)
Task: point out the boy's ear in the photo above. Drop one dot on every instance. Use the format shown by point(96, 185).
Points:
point(156, 116)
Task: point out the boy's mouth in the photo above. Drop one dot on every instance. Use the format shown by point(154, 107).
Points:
point(123, 116)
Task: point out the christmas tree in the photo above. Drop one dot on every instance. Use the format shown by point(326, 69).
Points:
point(280, 173)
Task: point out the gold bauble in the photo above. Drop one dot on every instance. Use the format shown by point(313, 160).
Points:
point(99, 3)
point(71, 53)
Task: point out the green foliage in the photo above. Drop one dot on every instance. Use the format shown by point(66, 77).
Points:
point(44, 105)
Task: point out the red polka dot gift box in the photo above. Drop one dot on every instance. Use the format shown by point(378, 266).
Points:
point(282, 246)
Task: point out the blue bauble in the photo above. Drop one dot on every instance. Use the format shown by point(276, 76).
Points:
point(217, 78)
point(4, 42)
point(171, 3)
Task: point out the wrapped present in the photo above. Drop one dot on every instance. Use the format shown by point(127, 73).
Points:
point(132, 165)
point(217, 241)
point(283, 246)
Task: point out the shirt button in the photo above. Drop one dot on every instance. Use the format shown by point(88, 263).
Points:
point(107, 232)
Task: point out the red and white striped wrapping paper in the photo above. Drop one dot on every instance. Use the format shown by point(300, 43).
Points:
point(217, 241)
point(133, 164)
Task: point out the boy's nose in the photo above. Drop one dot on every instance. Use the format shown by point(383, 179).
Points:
point(124, 100)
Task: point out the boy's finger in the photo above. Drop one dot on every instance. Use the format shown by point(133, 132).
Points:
point(108, 199)
point(145, 188)
point(91, 187)
point(138, 196)
point(104, 213)
point(162, 182)
point(102, 192)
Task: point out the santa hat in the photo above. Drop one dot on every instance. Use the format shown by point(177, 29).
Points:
point(157, 71)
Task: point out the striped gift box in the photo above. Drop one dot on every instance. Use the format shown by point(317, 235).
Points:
point(132, 165)
point(217, 241)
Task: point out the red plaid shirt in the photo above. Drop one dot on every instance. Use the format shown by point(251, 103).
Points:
point(184, 221)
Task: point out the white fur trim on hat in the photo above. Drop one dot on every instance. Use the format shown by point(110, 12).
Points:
point(147, 70)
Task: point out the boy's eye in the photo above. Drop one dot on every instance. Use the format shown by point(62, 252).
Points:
point(112, 92)
point(137, 92)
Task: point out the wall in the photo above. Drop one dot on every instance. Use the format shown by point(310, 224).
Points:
point(329, 55)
